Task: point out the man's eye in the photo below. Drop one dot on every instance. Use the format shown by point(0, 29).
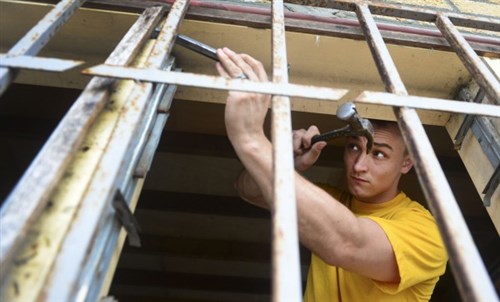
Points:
point(379, 154)
point(353, 147)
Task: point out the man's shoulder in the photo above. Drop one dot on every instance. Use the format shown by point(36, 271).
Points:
point(339, 194)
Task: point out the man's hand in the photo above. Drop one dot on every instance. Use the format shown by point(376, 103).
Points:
point(245, 112)
point(305, 154)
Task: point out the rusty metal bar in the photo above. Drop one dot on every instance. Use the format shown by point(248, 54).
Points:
point(37, 63)
point(470, 274)
point(419, 14)
point(205, 81)
point(417, 102)
point(382, 57)
point(286, 277)
point(481, 74)
point(39, 36)
point(92, 223)
point(30, 196)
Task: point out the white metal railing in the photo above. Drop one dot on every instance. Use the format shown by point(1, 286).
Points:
point(68, 281)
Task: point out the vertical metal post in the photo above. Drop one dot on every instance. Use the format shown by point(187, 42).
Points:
point(471, 275)
point(286, 262)
point(24, 205)
point(39, 36)
point(94, 214)
point(484, 77)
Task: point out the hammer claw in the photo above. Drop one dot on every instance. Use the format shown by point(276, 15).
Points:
point(357, 126)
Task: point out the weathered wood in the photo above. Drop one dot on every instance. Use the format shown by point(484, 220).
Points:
point(478, 166)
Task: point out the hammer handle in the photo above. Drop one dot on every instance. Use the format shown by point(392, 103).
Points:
point(324, 137)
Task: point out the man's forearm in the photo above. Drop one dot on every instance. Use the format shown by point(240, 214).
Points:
point(249, 190)
point(255, 183)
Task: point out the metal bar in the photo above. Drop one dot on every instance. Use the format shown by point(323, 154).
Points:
point(39, 36)
point(286, 277)
point(491, 187)
point(481, 74)
point(471, 275)
point(80, 241)
point(31, 194)
point(37, 63)
point(419, 14)
point(382, 57)
point(417, 102)
point(339, 27)
point(468, 119)
point(145, 127)
point(154, 139)
point(205, 81)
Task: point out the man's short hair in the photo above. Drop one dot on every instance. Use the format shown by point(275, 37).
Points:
point(388, 125)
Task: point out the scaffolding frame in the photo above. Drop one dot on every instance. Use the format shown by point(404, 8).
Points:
point(72, 277)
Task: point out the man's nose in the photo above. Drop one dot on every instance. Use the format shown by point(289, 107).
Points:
point(361, 163)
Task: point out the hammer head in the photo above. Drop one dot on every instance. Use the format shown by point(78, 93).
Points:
point(357, 126)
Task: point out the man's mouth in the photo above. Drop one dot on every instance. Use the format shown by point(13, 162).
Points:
point(358, 179)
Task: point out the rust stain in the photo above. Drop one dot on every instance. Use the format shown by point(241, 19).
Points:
point(35, 37)
point(15, 287)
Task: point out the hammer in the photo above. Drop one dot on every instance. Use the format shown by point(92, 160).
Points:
point(357, 126)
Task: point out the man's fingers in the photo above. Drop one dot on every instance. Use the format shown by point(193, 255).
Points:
point(235, 65)
point(227, 62)
point(315, 152)
point(256, 66)
point(297, 141)
point(222, 72)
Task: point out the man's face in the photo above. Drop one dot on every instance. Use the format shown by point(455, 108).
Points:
point(374, 177)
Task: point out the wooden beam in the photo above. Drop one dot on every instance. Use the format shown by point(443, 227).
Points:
point(478, 166)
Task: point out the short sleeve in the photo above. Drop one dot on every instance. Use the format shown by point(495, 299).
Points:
point(418, 247)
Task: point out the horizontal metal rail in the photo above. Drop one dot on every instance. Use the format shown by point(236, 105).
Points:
point(205, 81)
point(37, 63)
point(38, 37)
point(426, 103)
point(292, 90)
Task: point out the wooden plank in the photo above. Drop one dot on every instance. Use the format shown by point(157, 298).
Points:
point(192, 281)
point(199, 204)
point(478, 166)
point(134, 293)
point(205, 226)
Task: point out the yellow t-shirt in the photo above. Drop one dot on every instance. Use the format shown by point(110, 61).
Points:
point(418, 247)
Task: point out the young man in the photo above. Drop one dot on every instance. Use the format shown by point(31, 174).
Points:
point(370, 243)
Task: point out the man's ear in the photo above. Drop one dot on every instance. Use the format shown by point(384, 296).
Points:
point(407, 165)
